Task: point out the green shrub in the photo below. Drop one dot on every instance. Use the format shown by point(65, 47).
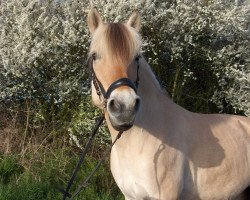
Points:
point(43, 178)
point(9, 169)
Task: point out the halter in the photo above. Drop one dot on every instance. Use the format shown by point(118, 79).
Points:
point(118, 83)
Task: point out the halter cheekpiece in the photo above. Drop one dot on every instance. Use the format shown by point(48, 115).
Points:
point(118, 83)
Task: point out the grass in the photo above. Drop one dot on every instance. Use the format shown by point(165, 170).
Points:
point(37, 176)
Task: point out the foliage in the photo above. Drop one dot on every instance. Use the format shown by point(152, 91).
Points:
point(43, 178)
point(8, 168)
point(43, 52)
point(80, 129)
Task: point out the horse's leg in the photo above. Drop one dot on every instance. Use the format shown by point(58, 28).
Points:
point(245, 195)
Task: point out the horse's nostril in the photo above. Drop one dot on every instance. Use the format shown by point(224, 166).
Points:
point(137, 103)
point(114, 106)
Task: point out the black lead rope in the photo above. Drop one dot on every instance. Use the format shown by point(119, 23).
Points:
point(86, 180)
point(83, 154)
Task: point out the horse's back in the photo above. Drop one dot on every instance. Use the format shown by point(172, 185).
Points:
point(229, 129)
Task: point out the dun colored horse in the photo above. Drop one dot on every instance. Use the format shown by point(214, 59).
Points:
point(165, 151)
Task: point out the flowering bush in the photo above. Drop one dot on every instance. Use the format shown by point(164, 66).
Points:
point(198, 49)
point(43, 55)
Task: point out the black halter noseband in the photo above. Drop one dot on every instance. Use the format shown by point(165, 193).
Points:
point(118, 83)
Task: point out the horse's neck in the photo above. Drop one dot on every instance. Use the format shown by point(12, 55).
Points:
point(153, 96)
point(156, 105)
point(148, 85)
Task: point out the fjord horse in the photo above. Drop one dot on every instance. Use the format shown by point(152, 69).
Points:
point(165, 152)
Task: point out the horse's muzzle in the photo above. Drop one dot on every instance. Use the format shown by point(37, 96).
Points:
point(122, 113)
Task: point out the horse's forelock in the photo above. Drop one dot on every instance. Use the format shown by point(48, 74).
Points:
point(120, 43)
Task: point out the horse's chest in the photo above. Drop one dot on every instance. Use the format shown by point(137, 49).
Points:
point(148, 176)
point(134, 182)
point(132, 186)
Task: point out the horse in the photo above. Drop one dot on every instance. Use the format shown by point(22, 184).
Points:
point(165, 151)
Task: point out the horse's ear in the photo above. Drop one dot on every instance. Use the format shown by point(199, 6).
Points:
point(94, 20)
point(135, 20)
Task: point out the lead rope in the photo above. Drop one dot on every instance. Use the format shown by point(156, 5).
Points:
point(82, 157)
point(86, 180)
point(81, 160)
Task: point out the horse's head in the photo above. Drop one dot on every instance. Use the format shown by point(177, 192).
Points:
point(113, 50)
